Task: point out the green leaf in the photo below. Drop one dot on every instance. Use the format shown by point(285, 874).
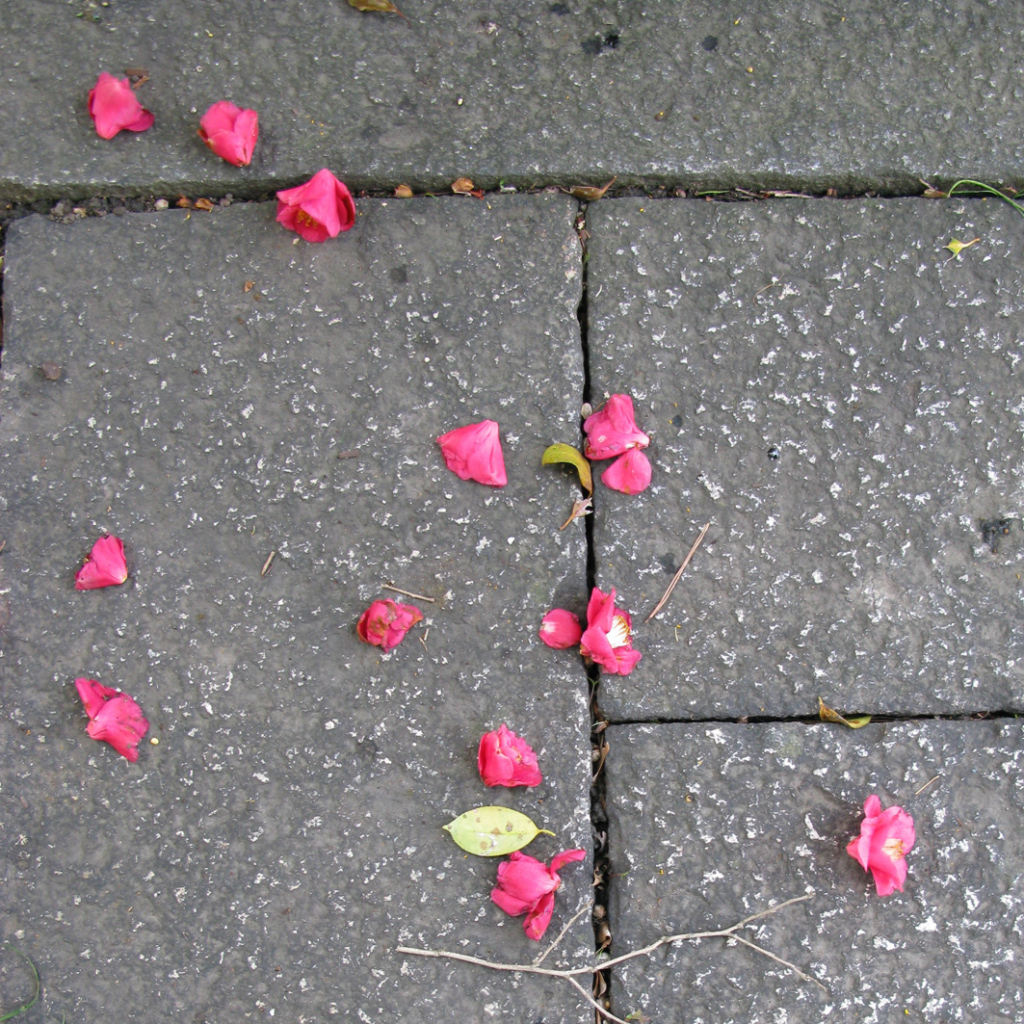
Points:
point(493, 831)
point(24, 1007)
point(566, 453)
point(826, 714)
point(955, 246)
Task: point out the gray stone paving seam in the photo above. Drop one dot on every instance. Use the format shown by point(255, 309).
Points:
point(285, 835)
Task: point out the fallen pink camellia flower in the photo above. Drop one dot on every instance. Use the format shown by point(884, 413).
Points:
point(113, 717)
point(629, 473)
point(474, 452)
point(385, 623)
point(504, 759)
point(231, 133)
point(606, 639)
point(560, 629)
point(113, 107)
point(527, 886)
point(318, 210)
point(612, 430)
point(105, 566)
point(885, 839)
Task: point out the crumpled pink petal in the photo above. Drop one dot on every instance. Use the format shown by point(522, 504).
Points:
point(560, 629)
point(113, 717)
point(230, 132)
point(885, 839)
point(612, 430)
point(385, 623)
point(473, 452)
point(527, 886)
point(607, 638)
point(630, 473)
point(105, 566)
point(319, 209)
point(113, 107)
point(504, 759)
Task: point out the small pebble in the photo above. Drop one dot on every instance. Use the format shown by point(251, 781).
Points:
point(161, 204)
point(154, 741)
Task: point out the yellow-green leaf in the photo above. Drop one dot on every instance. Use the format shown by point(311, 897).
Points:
point(493, 831)
point(826, 714)
point(955, 246)
point(566, 453)
point(376, 6)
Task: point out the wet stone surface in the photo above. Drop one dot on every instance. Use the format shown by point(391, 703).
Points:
point(691, 93)
point(841, 400)
point(226, 392)
point(712, 823)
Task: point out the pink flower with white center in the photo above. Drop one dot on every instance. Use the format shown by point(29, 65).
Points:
point(527, 886)
point(607, 638)
point(385, 623)
point(105, 566)
point(612, 430)
point(886, 837)
point(113, 717)
point(560, 629)
point(113, 107)
point(629, 473)
point(504, 759)
point(473, 452)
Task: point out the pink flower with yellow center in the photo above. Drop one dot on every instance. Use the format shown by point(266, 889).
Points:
point(886, 837)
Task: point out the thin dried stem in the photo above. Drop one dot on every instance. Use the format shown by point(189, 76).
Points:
point(561, 935)
point(407, 593)
point(570, 974)
point(679, 573)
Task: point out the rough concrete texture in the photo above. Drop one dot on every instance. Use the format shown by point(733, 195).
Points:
point(285, 835)
point(841, 399)
point(711, 823)
point(690, 93)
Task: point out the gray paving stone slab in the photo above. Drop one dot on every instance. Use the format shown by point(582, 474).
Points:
point(285, 835)
point(885, 377)
point(677, 93)
point(711, 823)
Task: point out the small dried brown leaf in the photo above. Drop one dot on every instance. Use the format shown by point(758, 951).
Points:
point(203, 204)
point(51, 371)
point(589, 192)
point(581, 507)
point(248, 286)
point(376, 7)
point(463, 186)
point(826, 714)
point(403, 192)
point(184, 202)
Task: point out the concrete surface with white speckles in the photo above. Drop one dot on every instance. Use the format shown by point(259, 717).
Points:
point(689, 92)
point(884, 376)
point(285, 835)
point(713, 822)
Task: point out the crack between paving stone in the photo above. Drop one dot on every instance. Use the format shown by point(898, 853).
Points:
point(598, 723)
point(966, 716)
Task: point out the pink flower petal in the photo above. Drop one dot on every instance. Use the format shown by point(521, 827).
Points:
point(612, 430)
point(319, 209)
point(113, 107)
point(629, 473)
point(231, 133)
point(526, 885)
point(504, 759)
point(113, 717)
point(105, 566)
point(385, 623)
point(560, 629)
point(473, 452)
point(607, 639)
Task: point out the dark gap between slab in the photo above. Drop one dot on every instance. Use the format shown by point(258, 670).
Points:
point(967, 716)
point(598, 722)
